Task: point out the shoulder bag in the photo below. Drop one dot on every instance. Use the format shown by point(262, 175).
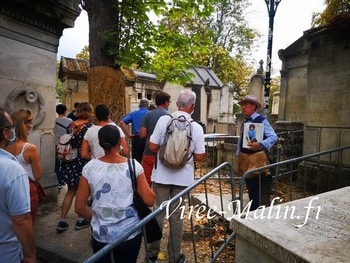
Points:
point(151, 231)
point(40, 190)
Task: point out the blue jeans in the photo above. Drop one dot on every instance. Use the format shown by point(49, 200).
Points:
point(127, 251)
point(58, 172)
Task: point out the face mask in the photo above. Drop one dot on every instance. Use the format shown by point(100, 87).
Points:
point(12, 140)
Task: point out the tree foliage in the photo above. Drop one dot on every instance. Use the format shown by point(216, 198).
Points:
point(332, 10)
point(230, 29)
point(275, 85)
point(212, 33)
point(121, 31)
point(59, 86)
point(83, 54)
point(204, 33)
point(182, 34)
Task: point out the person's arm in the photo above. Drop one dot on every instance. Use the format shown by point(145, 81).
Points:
point(143, 132)
point(153, 147)
point(23, 227)
point(125, 129)
point(144, 190)
point(270, 136)
point(81, 199)
point(85, 150)
point(35, 161)
point(199, 157)
point(123, 143)
point(198, 143)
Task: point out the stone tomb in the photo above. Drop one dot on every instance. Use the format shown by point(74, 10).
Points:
point(319, 231)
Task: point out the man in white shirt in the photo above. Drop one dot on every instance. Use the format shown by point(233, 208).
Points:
point(168, 182)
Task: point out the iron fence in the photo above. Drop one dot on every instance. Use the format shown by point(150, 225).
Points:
point(293, 177)
point(301, 176)
point(199, 198)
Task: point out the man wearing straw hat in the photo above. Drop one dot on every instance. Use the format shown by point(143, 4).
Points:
point(253, 154)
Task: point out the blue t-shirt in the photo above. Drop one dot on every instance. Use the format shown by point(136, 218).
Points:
point(14, 200)
point(135, 118)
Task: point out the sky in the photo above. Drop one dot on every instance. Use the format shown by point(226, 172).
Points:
point(292, 18)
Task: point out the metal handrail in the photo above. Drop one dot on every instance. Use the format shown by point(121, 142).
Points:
point(273, 165)
point(203, 179)
point(108, 248)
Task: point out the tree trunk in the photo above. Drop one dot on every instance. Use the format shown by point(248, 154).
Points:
point(102, 18)
point(105, 84)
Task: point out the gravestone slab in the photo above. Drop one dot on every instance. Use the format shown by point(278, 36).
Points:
point(318, 230)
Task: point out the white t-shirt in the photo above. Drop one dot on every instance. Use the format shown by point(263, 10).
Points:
point(91, 136)
point(111, 190)
point(185, 175)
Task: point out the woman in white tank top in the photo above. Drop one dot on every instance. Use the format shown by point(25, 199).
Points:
point(27, 154)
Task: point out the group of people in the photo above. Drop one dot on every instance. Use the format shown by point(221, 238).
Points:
point(101, 174)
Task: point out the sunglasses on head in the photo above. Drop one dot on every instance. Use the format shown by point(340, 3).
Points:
point(26, 111)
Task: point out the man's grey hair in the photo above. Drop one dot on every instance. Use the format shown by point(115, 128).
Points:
point(186, 98)
point(144, 104)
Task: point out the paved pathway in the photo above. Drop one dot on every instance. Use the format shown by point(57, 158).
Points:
point(69, 246)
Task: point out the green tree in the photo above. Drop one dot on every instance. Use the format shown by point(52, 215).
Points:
point(83, 54)
point(232, 41)
point(120, 32)
point(59, 86)
point(333, 9)
point(210, 33)
point(181, 35)
point(275, 85)
point(204, 33)
point(230, 28)
point(59, 89)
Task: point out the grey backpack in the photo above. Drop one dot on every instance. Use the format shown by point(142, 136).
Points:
point(175, 151)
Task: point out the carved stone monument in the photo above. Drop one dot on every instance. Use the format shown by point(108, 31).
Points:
point(29, 38)
point(313, 229)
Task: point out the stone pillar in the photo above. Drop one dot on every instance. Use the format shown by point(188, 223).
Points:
point(29, 38)
point(256, 84)
point(275, 102)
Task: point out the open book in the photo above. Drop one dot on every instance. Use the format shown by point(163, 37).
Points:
point(252, 132)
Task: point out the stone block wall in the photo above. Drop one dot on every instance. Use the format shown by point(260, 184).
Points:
point(315, 87)
point(29, 37)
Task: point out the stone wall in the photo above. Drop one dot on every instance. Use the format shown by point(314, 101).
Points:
point(29, 37)
point(315, 87)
